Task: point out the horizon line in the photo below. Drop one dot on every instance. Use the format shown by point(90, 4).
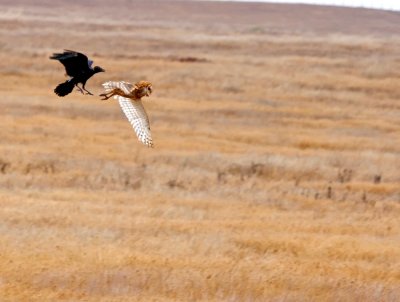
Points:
point(341, 3)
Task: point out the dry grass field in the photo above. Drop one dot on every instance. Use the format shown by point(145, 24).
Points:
point(275, 173)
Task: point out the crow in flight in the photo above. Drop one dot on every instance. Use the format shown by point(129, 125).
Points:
point(78, 67)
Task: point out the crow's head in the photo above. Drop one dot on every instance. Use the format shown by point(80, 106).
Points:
point(97, 69)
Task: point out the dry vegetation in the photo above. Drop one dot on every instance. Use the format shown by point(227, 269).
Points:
point(275, 175)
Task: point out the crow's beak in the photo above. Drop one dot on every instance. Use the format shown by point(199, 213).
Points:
point(102, 70)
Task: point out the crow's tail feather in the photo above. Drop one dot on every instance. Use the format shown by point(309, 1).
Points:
point(64, 88)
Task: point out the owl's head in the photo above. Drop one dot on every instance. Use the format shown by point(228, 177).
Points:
point(143, 88)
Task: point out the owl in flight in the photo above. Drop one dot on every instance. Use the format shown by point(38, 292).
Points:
point(129, 97)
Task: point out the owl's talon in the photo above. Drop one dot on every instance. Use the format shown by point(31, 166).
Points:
point(104, 97)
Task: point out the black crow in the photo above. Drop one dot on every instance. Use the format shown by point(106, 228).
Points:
point(78, 67)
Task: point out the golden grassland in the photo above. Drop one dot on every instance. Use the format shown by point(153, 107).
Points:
point(274, 177)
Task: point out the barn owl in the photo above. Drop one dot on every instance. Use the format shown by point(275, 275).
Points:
point(129, 97)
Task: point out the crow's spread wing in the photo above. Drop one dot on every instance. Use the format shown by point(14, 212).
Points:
point(75, 63)
point(137, 116)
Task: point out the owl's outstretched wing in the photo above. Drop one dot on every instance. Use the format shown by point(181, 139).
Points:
point(137, 116)
point(124, 86)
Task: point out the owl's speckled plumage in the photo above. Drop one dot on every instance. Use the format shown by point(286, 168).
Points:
point(129, 97)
